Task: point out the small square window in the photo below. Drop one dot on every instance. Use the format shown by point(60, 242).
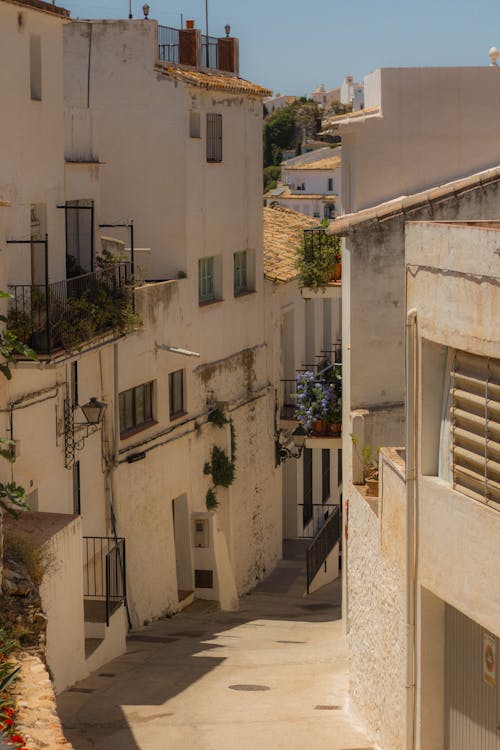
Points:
point(214, 137)
point(176, 393)
point(206, 279)
point(241, 273)
point(194, 124)
point(136, 408)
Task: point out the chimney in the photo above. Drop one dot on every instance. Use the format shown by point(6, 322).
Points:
point(229, 54)
point(190, 45)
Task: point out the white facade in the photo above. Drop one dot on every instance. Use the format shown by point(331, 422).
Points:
point(388, 151)
point(272, 103)
point(142, 474)
point(352, 94)
point(324, 97)
point(311, 184)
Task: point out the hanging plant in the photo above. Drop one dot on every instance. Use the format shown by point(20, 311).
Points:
point(221, 468)
point(211, 499)
point(217, 417)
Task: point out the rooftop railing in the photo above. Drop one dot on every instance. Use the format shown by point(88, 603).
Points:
point(168, 44)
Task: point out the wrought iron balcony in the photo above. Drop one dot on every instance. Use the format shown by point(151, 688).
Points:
point(171, 48)
point(65, 314)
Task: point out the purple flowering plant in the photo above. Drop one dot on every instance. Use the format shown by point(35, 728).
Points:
point(319, 396)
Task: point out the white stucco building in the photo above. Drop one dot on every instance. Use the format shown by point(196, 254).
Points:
point(311, 184)
point(324, 97)
point(148, 143)
point(306, 331)
point(394, 172)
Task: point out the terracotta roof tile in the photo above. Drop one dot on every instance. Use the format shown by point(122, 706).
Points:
point(213, 79)
point(287, 194)
point(329, 162)
point(282, 235)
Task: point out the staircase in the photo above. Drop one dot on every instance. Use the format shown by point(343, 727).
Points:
point(321, 559)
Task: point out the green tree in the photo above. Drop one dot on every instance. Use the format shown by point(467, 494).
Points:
point(268, 146)
point(281, 126)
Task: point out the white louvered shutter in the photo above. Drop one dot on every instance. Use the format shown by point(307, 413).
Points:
point(476, 427)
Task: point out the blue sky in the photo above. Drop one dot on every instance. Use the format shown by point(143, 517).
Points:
point(292, 46)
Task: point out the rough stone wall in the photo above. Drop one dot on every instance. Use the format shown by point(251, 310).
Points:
point(36, 714)
point(377, 644)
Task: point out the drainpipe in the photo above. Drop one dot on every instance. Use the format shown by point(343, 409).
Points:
point(411, 499)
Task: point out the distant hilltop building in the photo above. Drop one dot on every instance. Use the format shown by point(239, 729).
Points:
point(350, 94)
point(325, 98)
point(272, 103)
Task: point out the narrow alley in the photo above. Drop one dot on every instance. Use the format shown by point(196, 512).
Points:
point(271, 675)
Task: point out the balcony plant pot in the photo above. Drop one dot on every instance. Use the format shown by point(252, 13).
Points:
point(372, 487)
point(319, 426)
point(335, 428)
point(336, 271)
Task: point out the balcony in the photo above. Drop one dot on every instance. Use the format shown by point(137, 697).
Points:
point(190, 47)
point(66, 314)
point(315, 400)
point(320, 265)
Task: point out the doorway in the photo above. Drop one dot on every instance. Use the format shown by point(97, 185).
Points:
point(182, 542)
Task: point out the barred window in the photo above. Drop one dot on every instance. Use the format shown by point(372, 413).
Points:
point(214, 137)
point(475, 419)
point(206, 279)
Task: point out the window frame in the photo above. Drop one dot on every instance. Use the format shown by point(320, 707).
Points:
point(204, 277)
point(179, 412)
point(148, 407)
point(213, 138)
point(240, 272)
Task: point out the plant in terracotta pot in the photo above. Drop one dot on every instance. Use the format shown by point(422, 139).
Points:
point(369, 462)
point(315, 398)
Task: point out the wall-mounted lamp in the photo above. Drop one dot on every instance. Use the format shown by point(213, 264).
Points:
point(145, 10)
point(283, 452)
point(93, 411)
point(227, 29)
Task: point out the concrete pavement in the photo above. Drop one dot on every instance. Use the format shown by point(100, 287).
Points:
point(272, 675)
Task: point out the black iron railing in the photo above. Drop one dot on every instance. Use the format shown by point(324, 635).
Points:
point(168, 44)
point(321, 546)
point(105, 570)
point(209, 52)
point(64, 314)
point(318, 514)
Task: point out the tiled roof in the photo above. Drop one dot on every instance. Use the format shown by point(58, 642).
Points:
point(282, 236)
point(55, 10)
point(286, 193)
point(331, 123)
point(330, 162)
point(406, 203)
point(208, 79)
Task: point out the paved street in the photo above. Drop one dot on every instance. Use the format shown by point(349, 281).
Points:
point(272, 675)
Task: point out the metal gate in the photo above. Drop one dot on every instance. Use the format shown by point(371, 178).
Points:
point(472, 696)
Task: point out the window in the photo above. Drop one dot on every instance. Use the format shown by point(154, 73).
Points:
point(136, 408)
point(214, 138)
point(307, 508)
point(475, 423)
point(76, 488)
point(194, 125)
point(176, 393)
point(35, 67)
point(325, 475)
point(206, 279)
point(240, 273)
point(330, 184)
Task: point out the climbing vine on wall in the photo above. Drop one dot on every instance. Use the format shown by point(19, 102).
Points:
point(220, 467)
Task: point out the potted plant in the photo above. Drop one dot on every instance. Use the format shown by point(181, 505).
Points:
point(316, 399)
point(318, 259)
point(369, 463)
